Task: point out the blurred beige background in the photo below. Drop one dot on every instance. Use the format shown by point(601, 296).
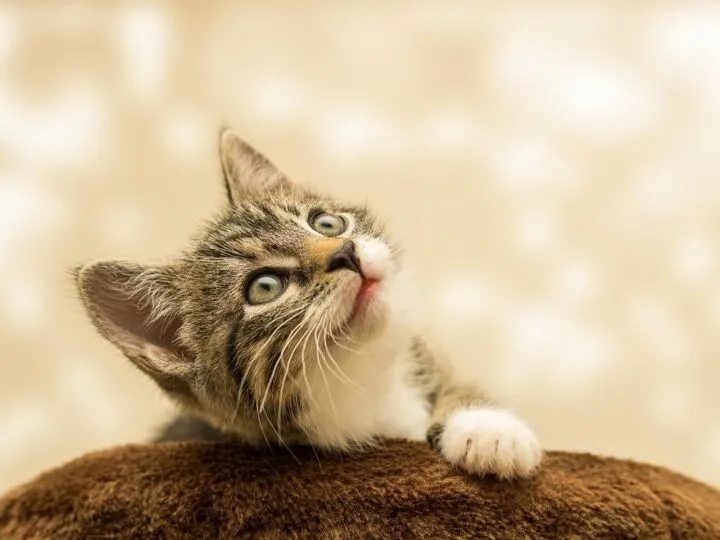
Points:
point(553, 170)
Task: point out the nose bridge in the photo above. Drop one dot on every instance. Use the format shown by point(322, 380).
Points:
point(322, 249)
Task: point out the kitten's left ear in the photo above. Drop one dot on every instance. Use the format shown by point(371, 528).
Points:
point(246, 170)
point(136, 308)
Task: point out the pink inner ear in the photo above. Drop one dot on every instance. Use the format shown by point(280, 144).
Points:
point(126, 317)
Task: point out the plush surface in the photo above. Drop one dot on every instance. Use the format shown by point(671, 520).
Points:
point(402, 490)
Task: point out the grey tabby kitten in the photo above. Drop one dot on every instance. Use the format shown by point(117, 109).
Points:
point(287, 323)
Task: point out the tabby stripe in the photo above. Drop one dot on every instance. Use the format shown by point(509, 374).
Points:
point(270, 365)
point(238, 375)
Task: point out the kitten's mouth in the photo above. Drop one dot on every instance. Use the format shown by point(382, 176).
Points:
point(366, 293)
point(363, 299)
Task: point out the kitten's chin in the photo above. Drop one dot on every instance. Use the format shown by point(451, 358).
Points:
point(369, 325)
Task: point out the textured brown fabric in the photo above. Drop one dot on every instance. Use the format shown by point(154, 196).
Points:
point(402, 490)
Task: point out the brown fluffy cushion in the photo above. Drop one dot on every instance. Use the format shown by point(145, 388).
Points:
point(402, 490)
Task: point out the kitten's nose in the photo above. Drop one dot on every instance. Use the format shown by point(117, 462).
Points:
point(346, 258)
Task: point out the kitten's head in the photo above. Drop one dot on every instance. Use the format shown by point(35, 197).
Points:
point(282, 283)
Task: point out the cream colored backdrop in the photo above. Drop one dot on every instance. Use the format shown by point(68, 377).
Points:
point(554, 171)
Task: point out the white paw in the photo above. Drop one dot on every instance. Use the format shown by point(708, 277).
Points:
point(484, 440)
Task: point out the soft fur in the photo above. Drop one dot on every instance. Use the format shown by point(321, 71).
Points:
point(330, 361)
point(400, 490)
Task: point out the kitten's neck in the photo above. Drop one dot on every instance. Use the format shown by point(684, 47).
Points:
point(349, 403)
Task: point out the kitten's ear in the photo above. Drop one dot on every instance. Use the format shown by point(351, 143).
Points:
point(135, 308)
point(246, 170)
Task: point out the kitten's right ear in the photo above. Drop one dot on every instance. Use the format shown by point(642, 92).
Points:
point(135, 307)
point(245, 170)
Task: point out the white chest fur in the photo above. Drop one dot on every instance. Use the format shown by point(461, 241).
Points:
point(374, 399)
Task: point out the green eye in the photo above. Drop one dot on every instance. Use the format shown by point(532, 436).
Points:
point(265, 288)
point(328, 224)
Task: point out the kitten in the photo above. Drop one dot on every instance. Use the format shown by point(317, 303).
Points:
point(286, 323)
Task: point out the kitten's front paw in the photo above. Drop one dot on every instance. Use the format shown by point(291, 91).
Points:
point(484, 440)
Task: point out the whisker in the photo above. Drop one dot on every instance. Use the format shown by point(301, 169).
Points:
point(282, 384)
point(316, 456)
point(294, 332)
point(341, 346)
point(341, 328)
point(337, 326)
point(304, 340)
point(342, 376)
point(291, 316)
point(262, 430)
point(324, 339)
point(327, 389)
point(307, 381)
point(281, 439)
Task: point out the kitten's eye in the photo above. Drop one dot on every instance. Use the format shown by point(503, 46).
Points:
point(328, 224)
point(265, 288)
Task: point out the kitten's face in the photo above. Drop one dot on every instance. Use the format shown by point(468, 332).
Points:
point(276, 288)
point(287, 280)
point(295, 257)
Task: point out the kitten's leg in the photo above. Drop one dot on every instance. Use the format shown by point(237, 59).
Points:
point(477, 436)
